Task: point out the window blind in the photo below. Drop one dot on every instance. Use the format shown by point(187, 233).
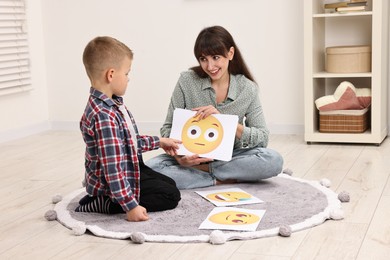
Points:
point(14, 50)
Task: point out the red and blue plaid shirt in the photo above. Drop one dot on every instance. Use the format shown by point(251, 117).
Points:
point(112, 165)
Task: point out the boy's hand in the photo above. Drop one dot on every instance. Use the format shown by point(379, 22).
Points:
point(170, 145)
point(137, 214)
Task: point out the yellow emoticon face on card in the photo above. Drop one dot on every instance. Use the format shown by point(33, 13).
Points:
point(202, 136)
point(233, 196)
point(234, 218)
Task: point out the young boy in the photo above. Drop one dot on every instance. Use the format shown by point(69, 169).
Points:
point(117, 180)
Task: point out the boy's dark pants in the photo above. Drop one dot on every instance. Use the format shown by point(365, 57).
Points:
point(158, 192)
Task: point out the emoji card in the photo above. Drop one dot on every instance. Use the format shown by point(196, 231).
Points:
point(229, 197)
point(230, 218)
point(212, 137)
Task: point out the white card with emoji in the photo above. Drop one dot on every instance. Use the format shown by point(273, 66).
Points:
point(231, 218)
point(211, 137)
point(229, 197)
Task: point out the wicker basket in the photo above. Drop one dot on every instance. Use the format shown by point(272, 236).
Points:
point(344, 121)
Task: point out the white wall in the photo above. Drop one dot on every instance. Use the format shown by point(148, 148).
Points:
point(27, 113)
point(162, 34)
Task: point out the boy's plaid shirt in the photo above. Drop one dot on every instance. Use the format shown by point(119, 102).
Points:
point(112, 166)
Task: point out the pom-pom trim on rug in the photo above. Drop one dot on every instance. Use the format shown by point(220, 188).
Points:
point(331, 211)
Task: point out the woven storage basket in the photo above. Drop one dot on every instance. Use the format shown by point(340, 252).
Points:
point(344, 121)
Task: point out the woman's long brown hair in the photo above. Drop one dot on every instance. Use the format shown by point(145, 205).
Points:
point(216, 40)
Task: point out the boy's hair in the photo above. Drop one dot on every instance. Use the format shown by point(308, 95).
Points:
point(216, 40)
point(102, 53)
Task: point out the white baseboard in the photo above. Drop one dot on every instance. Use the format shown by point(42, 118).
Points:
point(150, 128)
point(14, 134)
point(143, 127)
point(286, 129)
point(154, 128)
point(65, 125)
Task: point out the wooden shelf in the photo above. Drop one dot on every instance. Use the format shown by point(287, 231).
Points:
point(322, 30)
point(325, 74)
point(342, 14)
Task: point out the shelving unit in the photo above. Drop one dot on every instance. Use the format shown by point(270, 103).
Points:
point(323, 30)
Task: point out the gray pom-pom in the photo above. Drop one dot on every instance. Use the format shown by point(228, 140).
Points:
point(217, 237)
point(51, 215)
point(83, 183)
point(79, 229)
point(337, 214)
point(325, 182)
point(137, 237)
point(285, 231)
point(287, 171)
point(56, 198)
point(343, 196)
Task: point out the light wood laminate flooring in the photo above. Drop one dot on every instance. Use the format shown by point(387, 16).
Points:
point(36, 168)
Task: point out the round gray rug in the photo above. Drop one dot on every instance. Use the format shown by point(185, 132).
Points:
point(288, 201)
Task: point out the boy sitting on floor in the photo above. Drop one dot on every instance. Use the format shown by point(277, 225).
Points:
point(117, 180)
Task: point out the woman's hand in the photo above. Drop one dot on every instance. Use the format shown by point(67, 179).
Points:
point(205, 111)
point(170, 145)
point(191, 160)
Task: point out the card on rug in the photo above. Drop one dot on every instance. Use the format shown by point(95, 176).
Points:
point(212, 137)
point(231, 218)
point(308, 202)
point(229, 197)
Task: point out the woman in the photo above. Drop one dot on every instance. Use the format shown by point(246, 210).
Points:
point(222, 84)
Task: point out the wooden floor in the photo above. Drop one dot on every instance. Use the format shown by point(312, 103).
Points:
point(36, 168)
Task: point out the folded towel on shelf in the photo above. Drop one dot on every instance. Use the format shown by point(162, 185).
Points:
point(345, 97)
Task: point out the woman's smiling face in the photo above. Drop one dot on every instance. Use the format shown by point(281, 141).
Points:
point(216, 66)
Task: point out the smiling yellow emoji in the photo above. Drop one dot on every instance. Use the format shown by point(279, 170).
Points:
point(234, 218)
point(233, 196)
point(202, 136)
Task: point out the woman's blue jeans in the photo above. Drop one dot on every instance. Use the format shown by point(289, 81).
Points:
point(246, 165)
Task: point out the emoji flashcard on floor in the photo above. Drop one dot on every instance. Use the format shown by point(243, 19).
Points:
point(231, 218)
point(211, 137)
point(229, 197)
